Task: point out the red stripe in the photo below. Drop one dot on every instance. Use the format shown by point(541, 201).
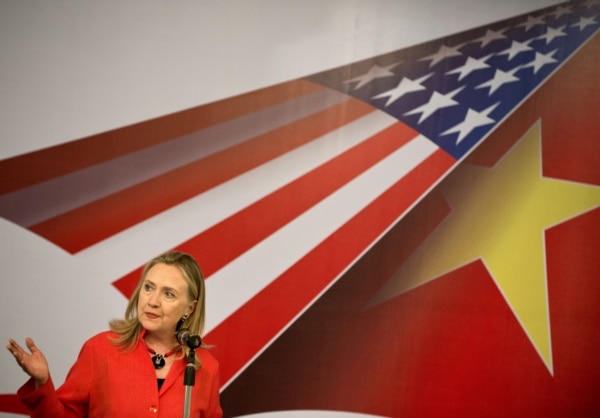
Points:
point(36, 167)
point(267, 215)
point(258, 322)
point(89, 224)
point(230, 238)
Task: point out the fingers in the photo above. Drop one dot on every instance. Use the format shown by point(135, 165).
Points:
point(18, 352)
point(31, 345)
point(15, 348)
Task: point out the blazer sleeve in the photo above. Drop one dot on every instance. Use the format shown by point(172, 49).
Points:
point(70, 400)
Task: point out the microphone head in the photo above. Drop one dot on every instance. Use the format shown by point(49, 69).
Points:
point(182, 336)
point(194, 341)
point(185, 337)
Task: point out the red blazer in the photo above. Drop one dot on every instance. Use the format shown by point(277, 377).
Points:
point(106, 381)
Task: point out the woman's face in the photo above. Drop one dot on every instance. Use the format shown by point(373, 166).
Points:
point(163, 299)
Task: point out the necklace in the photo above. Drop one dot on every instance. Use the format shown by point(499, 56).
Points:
point(158, 360)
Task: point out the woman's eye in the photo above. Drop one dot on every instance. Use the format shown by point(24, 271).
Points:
point(169, 294)
point(147, 287)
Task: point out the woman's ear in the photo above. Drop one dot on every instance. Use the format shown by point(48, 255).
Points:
point(191, 307)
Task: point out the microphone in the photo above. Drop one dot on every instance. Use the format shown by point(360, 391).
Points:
point(185, 337)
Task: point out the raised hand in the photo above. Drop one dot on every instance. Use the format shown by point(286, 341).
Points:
point(34, 363)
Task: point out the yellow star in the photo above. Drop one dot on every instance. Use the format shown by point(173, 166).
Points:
point(499, 216)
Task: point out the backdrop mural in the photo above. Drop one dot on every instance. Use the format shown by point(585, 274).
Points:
point(409, 233)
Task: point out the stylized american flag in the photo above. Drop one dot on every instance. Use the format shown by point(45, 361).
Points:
point(279, 191)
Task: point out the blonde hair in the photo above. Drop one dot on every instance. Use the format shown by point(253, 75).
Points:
point(129, 328)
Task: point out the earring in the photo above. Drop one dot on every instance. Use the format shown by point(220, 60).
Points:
point(180, 323)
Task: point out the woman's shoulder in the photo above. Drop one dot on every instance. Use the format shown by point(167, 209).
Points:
point(207, 358)
point(101, 340)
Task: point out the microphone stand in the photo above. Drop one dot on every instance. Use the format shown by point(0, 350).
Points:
point(185, 337)
point(189, 379)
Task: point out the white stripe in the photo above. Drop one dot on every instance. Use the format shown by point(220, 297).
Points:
point(59, 195)
point(240, 280)
point(129, 249)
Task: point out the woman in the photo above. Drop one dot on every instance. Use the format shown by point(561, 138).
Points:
point(136, 369)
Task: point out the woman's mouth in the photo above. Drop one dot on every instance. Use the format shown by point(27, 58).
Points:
point(150, 315)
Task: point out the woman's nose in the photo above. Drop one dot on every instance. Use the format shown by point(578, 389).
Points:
point(154, 300)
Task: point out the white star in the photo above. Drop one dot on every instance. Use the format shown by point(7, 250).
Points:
point(550, 34)
point(489, 37)
point(443, 53)
point(515, 49)
point(500, 78)
point(405, 86)
point(436, 101)
point(540, 60)
point(472, 120)
point(471, 65)
point(584, 22)
point(560, 11)
point(532, 21)
point(374, 72)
